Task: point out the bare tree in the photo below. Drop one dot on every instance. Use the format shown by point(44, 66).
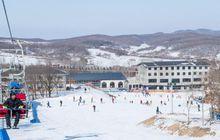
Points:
point(213, 88)
point(43, 79)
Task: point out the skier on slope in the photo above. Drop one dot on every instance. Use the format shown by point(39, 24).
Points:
point(198, 107)
point(61, 103)
point(85, 90)
point(113, 100)
point(14, 105)
point(48, 104)
point(94, 108)
point(80, 100)
point(158, 110)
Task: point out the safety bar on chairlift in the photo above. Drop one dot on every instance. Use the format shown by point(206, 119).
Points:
point(14, 110)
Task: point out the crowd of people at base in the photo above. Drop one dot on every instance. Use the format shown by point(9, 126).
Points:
point(145, 93)
point(13, 105)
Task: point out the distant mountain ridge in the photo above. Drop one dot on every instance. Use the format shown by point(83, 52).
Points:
point(201, 43)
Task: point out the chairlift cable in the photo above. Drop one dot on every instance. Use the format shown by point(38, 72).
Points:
point(8, 23)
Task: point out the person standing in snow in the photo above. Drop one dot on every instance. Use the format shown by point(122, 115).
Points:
point(198, 108)
point(141, 102)
point(80, 100)
point(61, 103)
point(101, 100)
point(147, 103)
point(74, 98)
point(157, 110)
point(85, 90)
point(48, 104)
point(94, 108)
point(113, 100)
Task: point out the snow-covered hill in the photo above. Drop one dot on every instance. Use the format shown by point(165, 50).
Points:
point(104, 58)
point(111, 121)
point(176, 45)
point(7, 58)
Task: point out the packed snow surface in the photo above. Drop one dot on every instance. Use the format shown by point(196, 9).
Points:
point(8, 58)
point(111, 121)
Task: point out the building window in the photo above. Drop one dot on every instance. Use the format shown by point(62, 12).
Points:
point(172, 73)
point(206, 73)
point(155, 68)
point(200, 73)
point(172, 68)
point(189, 67)
point(194, 73)
point(167, 74)
point(189, 73)
point(195, 67)
point(152, 80)
point(161, 74)
point(197, 79)
point(175, 80)
point(166, 68)
point(178, 68)
point(164, 80)
point(186, 80)
point(184, 73)
point(183, 67)
point(200, 67)
point(206, 67)
point(161, 68)
point(176, 87)
point(104, 85)
point(155, 74)
point(112, 85)
point(178, 73)
point(149, 74)
point(120, 84)
point(149, 68)
point(152, 87)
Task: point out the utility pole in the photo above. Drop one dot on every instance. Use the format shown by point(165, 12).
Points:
point(172, 99)
point(171, 88)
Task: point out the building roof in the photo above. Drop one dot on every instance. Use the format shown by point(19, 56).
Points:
point(93, 76)
point(174, 63)
point(44, 70)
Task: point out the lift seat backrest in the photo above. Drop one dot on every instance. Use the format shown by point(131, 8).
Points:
point(21, 96)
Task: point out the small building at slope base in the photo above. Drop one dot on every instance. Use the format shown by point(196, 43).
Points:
point(104, 80)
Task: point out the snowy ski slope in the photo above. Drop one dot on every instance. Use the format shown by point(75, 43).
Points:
point(118, 121)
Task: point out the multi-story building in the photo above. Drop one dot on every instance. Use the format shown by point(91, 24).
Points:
point(164, 75)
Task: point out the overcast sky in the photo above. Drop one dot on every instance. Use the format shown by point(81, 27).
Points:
point(51, 19)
